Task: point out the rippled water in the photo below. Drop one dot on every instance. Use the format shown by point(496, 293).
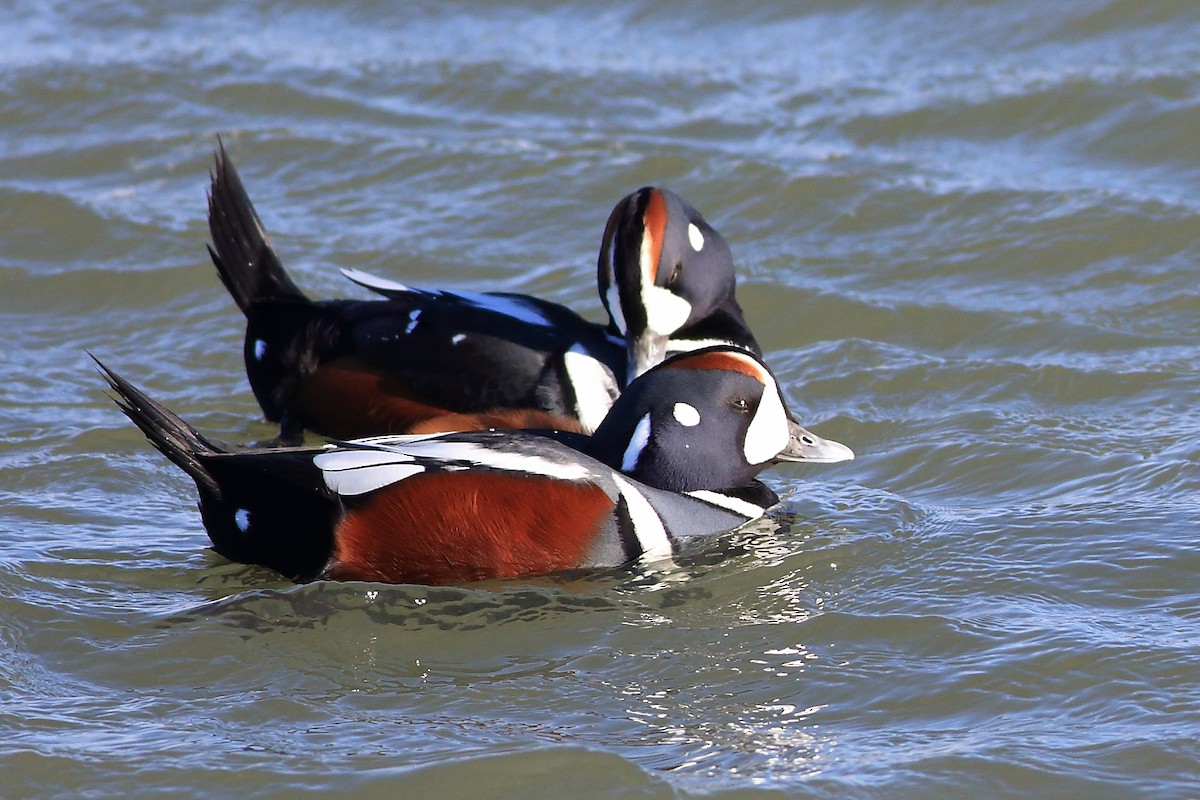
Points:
point(966, 232)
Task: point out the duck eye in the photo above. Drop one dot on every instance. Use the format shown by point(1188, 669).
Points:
point(740, 405)
point(675, 274)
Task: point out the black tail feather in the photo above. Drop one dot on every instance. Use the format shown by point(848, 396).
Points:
point(241, 250)
point(173, 437)
point(287, 334)
point(267, 507)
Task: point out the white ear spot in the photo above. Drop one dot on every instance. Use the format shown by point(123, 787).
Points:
point(637, 443)
point(260, 349)
point(686, 415)
point(695, 237)
point(768, 433)
point(242, 519)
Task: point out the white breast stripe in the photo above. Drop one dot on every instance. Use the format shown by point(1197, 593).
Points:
point(647, 526)
point(594, 387)
point(637, 443)
point(734, 504)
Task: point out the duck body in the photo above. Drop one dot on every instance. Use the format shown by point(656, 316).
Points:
point(352, 368)
point(676, 458)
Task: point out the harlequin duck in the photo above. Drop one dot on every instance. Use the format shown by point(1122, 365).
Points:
point(351, 368)
point(677, 457)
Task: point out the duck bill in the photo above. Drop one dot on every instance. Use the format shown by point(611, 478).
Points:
point(643, 352)
point(803, 445)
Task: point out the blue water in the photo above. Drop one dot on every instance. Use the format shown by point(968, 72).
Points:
point(966, 234)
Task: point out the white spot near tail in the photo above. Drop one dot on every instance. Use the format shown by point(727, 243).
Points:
point(260, 349)
point(242, 519)
point(686, 415)
point(457, 338)
point(695, 237)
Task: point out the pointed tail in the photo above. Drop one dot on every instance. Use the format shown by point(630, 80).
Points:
point(269, 507)
point(173, 437)
point(287, 334)
point(241, 250)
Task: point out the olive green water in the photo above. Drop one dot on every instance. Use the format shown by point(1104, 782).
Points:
point(967, 234)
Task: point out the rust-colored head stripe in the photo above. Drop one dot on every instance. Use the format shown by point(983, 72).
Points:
point(732, 362)
point(655, 227)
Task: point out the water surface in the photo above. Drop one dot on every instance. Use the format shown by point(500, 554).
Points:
point(965, 232)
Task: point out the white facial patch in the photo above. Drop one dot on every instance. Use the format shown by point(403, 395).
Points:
point(666, 312)
point(686, 415)
point(768, 433)
point(695, 237)
point(637, 443)
point(260, 349)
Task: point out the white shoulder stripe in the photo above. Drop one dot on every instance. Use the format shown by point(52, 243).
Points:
point(391, 450)
point(503, 460)
point(647, 526)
